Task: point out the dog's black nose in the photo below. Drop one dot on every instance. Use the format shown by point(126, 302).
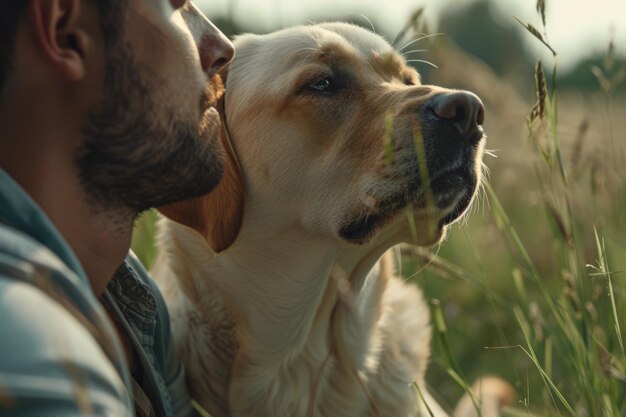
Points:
point(463, 109)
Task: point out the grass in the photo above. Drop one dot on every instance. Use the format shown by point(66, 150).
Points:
point(556, 319)
point(532, 289)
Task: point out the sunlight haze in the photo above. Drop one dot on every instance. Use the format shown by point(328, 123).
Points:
point(575, 28)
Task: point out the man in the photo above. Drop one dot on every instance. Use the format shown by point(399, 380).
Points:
point(105, 111)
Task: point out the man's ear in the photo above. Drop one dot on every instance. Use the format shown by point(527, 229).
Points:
point(218, 215)
point(58, 35)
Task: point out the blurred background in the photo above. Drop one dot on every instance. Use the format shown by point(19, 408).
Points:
point(531, 286)
point(579, 29)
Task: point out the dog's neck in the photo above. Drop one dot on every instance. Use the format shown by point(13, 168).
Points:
point(276, 292)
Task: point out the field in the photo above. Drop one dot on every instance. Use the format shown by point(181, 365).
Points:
point(531, 286)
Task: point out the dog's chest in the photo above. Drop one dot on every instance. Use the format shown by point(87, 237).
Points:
point(325, 374)
point(311, 376)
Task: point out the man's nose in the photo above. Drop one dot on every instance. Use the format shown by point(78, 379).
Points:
point(214, 49)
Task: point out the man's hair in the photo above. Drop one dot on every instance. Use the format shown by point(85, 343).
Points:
point(13, 11)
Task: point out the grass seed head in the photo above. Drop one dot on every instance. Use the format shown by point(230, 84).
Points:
point(542, 89)
point(541, 9)
point(577, 149)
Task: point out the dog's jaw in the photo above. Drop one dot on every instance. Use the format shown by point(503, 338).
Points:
point(424, 212)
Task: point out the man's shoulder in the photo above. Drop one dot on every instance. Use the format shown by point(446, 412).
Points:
point(21, 256)
point(36, 325)
point(49, 358)
point(48, 355)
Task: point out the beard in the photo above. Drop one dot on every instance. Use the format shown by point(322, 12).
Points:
point(138, 153)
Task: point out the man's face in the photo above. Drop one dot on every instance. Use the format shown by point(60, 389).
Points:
point(152, 139)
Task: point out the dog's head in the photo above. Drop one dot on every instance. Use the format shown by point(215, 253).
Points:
point(336, 134)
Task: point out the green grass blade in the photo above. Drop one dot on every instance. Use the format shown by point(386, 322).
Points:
point(419, 392)
point(530, 352)
point(604, 267)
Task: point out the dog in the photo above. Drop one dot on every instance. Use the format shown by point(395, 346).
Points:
point(281, 283)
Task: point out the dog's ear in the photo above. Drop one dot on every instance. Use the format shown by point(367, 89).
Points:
point(218, 215)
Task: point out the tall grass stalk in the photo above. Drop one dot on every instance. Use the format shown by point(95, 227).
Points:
point(450, 363)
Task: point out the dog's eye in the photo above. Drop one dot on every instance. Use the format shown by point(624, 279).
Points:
point(323, 86)
point(409, 81)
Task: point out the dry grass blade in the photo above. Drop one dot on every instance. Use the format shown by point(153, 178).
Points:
point(533, 31)
point(537, 122)
point(429, 196)
point(416, 18)
point(618, 78)
point(605, 84)
point(199, 409)
point(541, 9)
point(535, 112)
point(577, 150)
point(559, 221)
point(412, 24)
point(609, 58)
point(542, 89)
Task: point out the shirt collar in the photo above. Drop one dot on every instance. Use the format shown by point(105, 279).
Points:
point(20, 211)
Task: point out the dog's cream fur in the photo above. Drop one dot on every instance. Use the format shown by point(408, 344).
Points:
point(289, 318)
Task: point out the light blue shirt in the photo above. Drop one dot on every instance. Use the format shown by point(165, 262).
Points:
point(59, 353)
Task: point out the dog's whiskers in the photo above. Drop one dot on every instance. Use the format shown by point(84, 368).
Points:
point(406, 54)
point(411, 40)
point(423, 61)
point(486, 173)
point(491, 152)
point(368, 21)
point(406, 45)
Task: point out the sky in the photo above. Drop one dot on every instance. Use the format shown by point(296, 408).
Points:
point(574, 26)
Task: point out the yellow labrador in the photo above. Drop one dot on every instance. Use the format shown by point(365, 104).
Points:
point(282, 300)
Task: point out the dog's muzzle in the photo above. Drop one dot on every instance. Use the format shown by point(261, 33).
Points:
point(451, 136)
point(452, 132)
